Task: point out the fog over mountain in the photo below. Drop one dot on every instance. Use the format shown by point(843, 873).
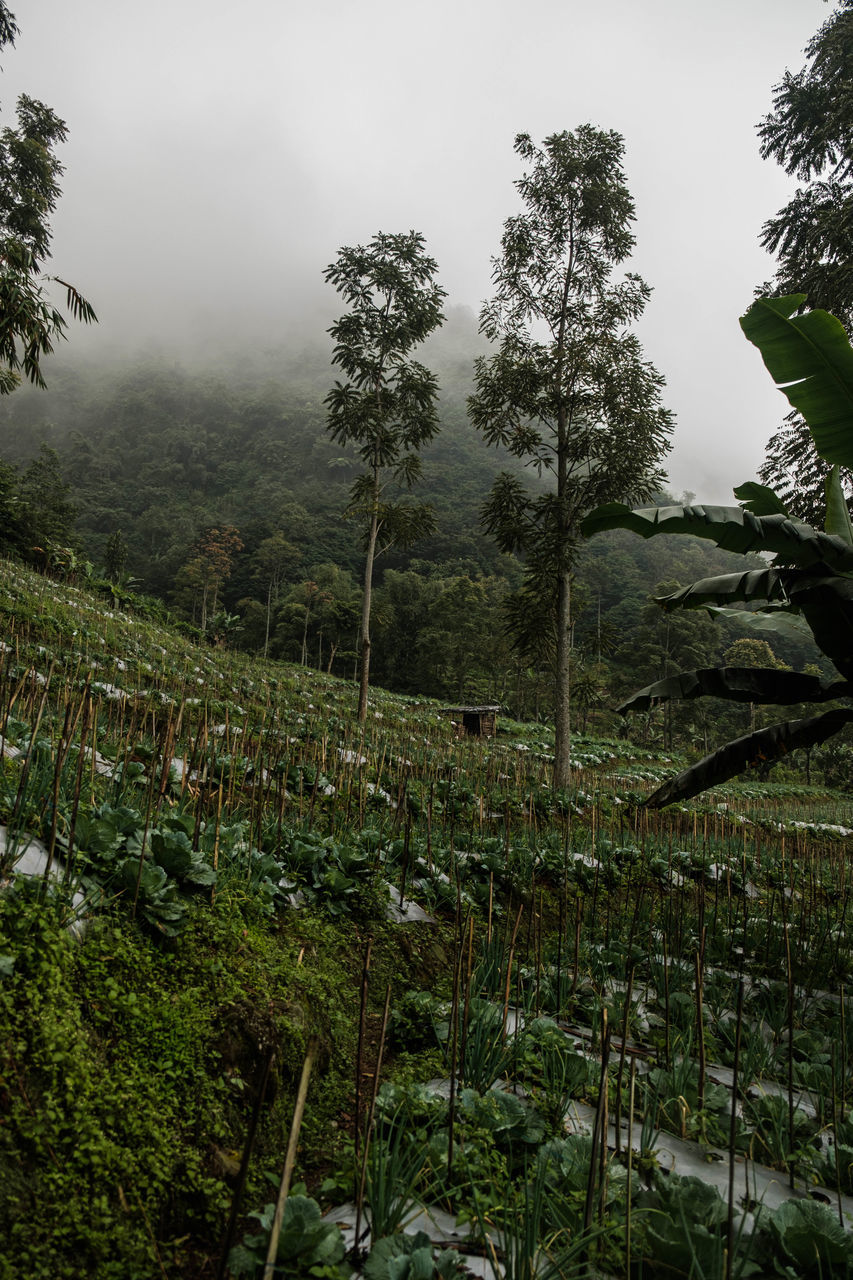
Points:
point(219, 155)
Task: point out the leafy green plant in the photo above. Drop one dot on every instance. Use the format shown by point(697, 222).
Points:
point(676, 1091)
point(307, 1244)
point(396, 1171)
point(768, 1117)
point(565, 1073)
point(411, 1257)
point(811, 1239)
point(684, 1232)
point(833, 1165)
point(486, 1052)
point(808, 588)
point(412, 1024)
point(511, 1122)
point(535, 1233)
point(110, 851)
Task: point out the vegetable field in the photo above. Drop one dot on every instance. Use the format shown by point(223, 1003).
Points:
point(543, 1033)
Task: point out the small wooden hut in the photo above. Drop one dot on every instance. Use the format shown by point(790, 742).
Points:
point(473, 722)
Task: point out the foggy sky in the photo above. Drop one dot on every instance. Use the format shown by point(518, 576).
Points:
point(220, 154)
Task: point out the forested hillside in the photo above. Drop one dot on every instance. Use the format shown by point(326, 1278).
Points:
point(184, 482)
point(156, 456)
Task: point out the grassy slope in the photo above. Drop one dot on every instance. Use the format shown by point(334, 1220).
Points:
point(130, 1061)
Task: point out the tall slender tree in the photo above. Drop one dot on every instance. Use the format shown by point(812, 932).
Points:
point(387, 407)
point(568, 389)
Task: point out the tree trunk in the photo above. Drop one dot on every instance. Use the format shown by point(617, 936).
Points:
point(269, 610)
point(562, 691)
point(334, 650)
point(364, 675)
point(304, 660)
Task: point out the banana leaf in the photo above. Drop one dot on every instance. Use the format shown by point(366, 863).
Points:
point(837, 511)
point(827, 606)
point(760, 500)
point(726, 588)
point(776, 619)
point(825, 602)
point(739, 684)
point(732, 529)
point(810, 359)
point(762, 747)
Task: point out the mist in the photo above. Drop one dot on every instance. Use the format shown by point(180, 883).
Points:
point(218, 158)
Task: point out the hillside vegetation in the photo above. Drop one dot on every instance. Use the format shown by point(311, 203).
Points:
point(161, 470)
point(599, 985)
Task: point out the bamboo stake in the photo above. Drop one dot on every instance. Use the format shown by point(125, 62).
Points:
point(790, 1054)
point(509, 967)
point(290, 1155)
point(618, 1107)
point(369, 1126)
point(700, 1024)
point(359, 1057)
point(730, 1225)
point(631, 1084)
point(835, 1135)
point(600, 1113)
point(454, 1028)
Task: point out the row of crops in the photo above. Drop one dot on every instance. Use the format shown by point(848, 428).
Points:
point(628, 1048)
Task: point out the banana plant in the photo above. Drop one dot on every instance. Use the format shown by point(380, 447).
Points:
point(807, 586)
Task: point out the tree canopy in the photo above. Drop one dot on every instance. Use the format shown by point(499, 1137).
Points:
point(567, 389)
point(30, 323)
point(387, 407)
point(809, 133)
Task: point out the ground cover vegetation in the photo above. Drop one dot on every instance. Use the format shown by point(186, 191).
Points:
point(210, 872)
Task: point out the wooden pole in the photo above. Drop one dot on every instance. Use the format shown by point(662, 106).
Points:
point(290, 1156)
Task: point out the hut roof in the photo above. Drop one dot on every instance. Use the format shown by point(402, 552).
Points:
point(471, 710)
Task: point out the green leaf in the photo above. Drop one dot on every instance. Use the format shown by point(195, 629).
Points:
point(777, 620)
point(689, 1195)
point(409, 1257)
point(306, 1236)
point(826, 603)
point(732, 529)
point(812, 1236)
point(763, 747)
point(754, 584)
point(760, 500)
point(173, 851)
point(738, 684)
point(837, 511)
point(810, 359)
point(827, 606)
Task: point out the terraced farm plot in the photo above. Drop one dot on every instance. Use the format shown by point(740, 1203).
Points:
point(551, 1032)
